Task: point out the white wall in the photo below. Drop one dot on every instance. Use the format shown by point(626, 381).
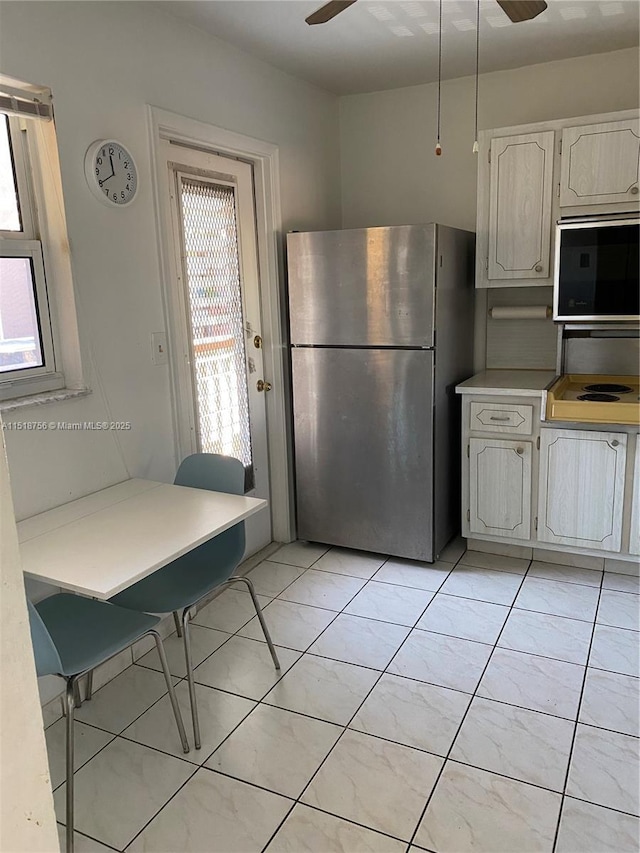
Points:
point(105, 62)
point(390, 174)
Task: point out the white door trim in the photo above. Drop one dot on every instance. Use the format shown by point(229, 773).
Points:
point(265, 159)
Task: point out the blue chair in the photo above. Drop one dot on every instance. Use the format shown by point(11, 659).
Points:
point(188, 580)
point(71, 635)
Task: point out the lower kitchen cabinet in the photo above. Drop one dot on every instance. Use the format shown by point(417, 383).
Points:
point(634, 536)
point(581, 488)
point(500, 487)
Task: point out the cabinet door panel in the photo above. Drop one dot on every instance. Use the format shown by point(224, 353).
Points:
point(634, 539)
point(600, 164)
point(581, 488)
point(500, 487)
point(520, 206)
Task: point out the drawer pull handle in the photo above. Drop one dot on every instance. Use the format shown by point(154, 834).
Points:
point(502, 418)
point(519, 450)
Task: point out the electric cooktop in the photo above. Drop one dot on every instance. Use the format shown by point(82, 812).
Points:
point(595, 399)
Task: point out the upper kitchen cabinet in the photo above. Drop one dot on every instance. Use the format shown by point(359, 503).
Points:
point(532, 175)
point(521, 176)
point(601, 165)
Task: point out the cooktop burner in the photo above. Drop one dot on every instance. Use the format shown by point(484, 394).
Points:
point(600, 398)
point(606, 388)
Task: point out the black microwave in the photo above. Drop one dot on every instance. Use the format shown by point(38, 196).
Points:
point(596, 270)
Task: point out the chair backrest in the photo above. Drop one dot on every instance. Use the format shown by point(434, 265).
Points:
point(217, 474)
point(44, 650)
point(211, 471)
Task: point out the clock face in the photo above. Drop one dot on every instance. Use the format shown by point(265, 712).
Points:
point(111, 172)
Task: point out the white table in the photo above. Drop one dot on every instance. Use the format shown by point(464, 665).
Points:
point(103, 543)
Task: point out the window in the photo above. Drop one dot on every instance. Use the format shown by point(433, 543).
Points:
point(31, 223)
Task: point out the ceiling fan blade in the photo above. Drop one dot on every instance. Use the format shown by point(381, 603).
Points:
point(328, 11)
point(522, 10)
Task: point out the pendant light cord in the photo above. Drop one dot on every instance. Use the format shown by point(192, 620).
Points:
point(438, 148)
point(475, 136)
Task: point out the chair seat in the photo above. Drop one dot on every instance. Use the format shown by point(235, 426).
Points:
point(185, 580)
point(87, 632)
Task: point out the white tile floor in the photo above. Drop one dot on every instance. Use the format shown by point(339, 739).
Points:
point(480, 704)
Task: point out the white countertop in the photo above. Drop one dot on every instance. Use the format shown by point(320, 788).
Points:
point(103, 543)
point(508, 382)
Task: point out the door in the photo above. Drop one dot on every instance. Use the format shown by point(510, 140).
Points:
point(520, 206)
point(363, 422)
point(581, 488)
point(600, 164)
point(363, 287)
point(500, 487)
point(214, 311)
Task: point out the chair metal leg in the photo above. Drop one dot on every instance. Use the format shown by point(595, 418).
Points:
point(172, 693)
point(70, 706)
point(176, 619)
point(88, 690)
point(256, 604)
point(77, 695)
point(191, 681)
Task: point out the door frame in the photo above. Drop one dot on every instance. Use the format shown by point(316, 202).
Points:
point(264, 157)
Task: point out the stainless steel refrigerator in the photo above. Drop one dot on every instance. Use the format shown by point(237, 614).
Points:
point(381, 331)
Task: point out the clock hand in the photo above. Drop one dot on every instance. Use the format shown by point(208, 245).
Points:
point(104, 180)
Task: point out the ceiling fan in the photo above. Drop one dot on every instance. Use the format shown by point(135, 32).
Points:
point(516, 10)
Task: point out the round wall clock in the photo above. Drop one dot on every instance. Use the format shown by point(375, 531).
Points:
point(111, 172)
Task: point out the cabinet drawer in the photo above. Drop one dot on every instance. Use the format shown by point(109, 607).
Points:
point(501, 417)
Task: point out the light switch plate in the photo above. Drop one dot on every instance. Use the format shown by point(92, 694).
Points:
point(159, 348)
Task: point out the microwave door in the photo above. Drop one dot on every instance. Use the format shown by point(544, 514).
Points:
point(597, 271)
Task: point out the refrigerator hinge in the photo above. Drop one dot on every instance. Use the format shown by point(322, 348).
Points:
point(468, 515)
point(538, 443)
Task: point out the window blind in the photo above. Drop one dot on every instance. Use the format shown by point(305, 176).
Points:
point(22, 99)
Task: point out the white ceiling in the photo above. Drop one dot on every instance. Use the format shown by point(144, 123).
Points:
point(385, 45)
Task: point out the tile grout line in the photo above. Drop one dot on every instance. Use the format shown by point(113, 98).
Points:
point(464, 716)
point(575, 728)
point(84, 835)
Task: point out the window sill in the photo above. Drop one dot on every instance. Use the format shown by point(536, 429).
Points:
point(43, 398)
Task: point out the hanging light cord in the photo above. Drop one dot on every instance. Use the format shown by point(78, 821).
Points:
point(438, 146)
point(475, 137)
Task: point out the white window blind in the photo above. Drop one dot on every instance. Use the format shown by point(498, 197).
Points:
point(25, 100)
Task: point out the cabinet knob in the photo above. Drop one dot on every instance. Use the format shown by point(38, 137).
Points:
point(615, 443)
point(520, 450)
point(634, 190)
point(539, 266)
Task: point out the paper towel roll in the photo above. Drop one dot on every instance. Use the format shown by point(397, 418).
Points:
point(520, 312)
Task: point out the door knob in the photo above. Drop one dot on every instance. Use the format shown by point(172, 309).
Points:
point(634, 190)
point(261, 385)
point(539, 267)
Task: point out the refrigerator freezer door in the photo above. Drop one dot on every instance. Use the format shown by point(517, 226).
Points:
point(363, 447)
point(363, 287)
